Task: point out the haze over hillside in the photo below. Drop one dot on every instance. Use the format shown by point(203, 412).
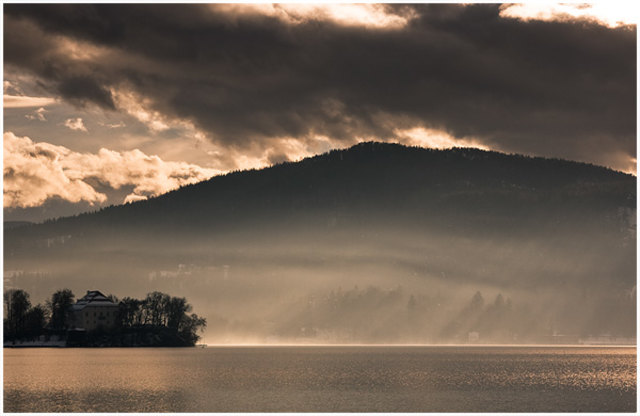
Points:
point(376, 243)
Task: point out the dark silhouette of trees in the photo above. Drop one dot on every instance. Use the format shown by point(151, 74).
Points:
point(176, 310)
point(168, 315)
point(17, 305)
point(158, 319)
point(155, 307)
point(130, 312)
point(21, 320)
point(189, 326)
point(60, 305)
point(35, 321)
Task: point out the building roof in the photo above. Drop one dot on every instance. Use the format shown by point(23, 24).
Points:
point(93, 298)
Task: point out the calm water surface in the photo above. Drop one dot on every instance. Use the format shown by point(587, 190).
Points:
point(321, 379)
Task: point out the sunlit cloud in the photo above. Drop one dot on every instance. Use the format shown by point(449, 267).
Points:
point(80, 50)
point(75, 124)
point(140, 108)
point(435, 139)
point(633, 166)
point(21, 101)
point(35, 172)
point(224, 111)
point(10, 88)
point(373, 16)
point(14, 96)
point(134, 198)
point(611, 14)
point(272, 151)
point(112, 125)
point(620, 161)
point(37, 115)
point(292, 149)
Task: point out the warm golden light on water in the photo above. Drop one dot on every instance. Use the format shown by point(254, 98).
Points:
point(320, 379)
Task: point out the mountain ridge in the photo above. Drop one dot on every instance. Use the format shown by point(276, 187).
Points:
point(557, 237)
point(469, 167)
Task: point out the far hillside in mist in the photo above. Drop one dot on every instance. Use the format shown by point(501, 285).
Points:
point(376, 243)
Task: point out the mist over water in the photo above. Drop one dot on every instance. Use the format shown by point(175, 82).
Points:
point(350, 288)
point(374, 244)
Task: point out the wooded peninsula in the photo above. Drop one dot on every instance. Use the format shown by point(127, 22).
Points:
point(96, 320)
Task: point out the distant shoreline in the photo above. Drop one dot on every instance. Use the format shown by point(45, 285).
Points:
point(78, 347)
point(284, 345)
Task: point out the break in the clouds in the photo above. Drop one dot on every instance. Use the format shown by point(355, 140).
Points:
point(35, 172)
point(251, 85)
point(612, 14)
point(371, 16)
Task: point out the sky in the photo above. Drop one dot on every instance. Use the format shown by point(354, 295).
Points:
point(110, 104)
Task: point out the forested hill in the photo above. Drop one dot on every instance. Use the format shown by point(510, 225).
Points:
point(255, 249)
point(468, 189)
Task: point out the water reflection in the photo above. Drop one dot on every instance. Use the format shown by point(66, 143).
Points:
point(320, 379)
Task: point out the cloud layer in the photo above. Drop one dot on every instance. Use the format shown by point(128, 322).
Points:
point(613, 14)
point(37, 172)
point(20, 101)
point(247, 76)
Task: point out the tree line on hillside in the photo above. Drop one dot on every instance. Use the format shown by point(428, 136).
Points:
point(158, 319)
point(374, 314)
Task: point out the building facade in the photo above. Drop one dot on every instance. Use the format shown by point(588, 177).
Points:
point(94, 311)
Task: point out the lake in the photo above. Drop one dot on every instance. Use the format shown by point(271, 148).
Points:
point(321, 379)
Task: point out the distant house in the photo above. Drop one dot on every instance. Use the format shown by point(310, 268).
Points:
point(94, 311)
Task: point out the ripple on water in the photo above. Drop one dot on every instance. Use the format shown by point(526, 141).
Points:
point(365, 379)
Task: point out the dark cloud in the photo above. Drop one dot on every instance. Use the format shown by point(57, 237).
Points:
point(84, 88)
point(564, 89)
